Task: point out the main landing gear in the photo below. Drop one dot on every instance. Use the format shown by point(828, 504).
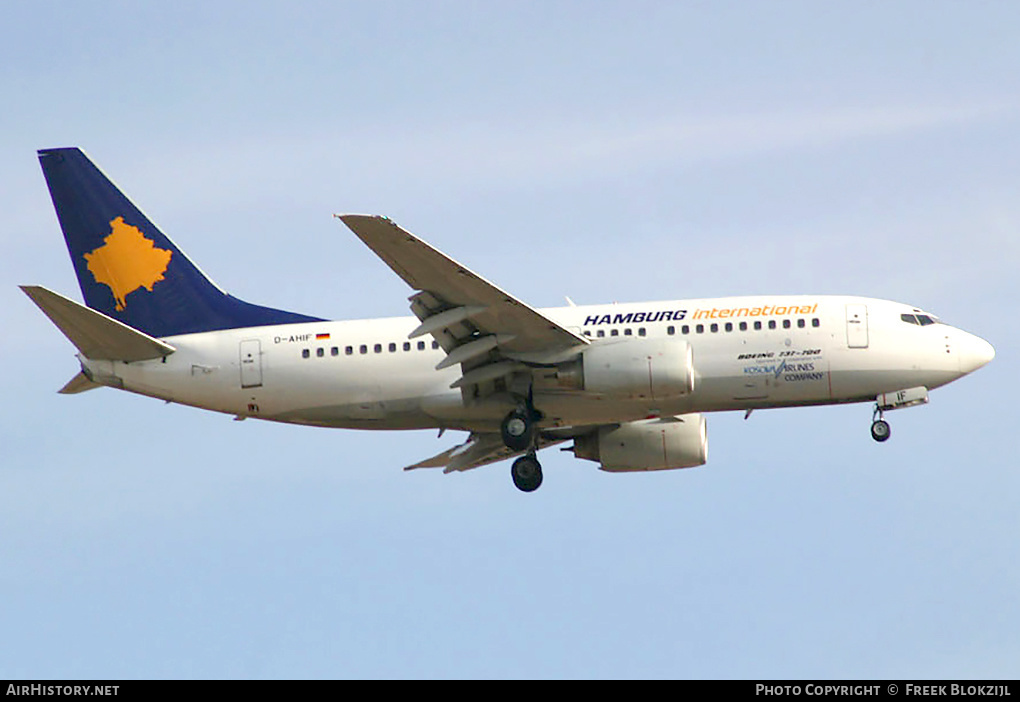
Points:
point(880, 430)
point(518, 429)
point(520, 433)
point(527, 473)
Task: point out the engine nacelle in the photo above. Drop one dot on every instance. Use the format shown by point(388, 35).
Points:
point(649, 444)
point(635, 368)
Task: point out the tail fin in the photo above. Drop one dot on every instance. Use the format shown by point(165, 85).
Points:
point(128, 269)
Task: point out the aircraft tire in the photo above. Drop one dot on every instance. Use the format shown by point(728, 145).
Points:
point(518, 430)
point(880, 430)
point(526, 472)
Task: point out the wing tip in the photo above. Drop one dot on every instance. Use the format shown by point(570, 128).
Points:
point(355, 217)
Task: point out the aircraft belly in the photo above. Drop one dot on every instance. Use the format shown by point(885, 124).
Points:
point(361, 415)
point(582, 409)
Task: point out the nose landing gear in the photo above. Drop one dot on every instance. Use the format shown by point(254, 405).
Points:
point(910, 397)
point(880, 430)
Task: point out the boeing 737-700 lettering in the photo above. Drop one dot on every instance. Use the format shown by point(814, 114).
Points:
point(627, 384)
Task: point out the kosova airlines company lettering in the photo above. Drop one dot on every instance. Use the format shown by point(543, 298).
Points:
point(792, 372)
point(127, 261)
point(795, 366)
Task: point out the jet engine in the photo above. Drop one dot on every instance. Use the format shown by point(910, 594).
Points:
point(635, 368)
point(649, 444)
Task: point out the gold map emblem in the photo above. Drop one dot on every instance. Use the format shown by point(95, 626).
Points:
point(127, 261)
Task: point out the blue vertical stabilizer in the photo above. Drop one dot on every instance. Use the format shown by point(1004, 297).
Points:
point(128, 269)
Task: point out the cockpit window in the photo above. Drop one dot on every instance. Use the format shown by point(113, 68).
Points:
point(922, 319)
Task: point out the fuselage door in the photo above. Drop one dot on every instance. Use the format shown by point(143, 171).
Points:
point(251, 363)
point(857, 326)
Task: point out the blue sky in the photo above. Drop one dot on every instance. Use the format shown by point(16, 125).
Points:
point(606, 151)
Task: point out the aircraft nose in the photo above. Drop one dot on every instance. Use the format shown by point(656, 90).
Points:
point(975, 352)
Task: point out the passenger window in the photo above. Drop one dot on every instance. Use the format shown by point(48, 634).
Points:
point(363, 349)
point(349, 350)
point(393, 347)
point(743, 326)
point(305, 353)
point(801, 324)
point(757, 326)
point(435, 345)
point(614, 332)
point(714, 328)
point(587, 333)
point(601, 333)
point(816, 322)
point(334, 351)
point(729, 326)
point(320, 352)
point(407, 346)
point(421, 345)
point(641, 331)
point(786, 324)
point(700, 328)
point(772, 324)
point(377, 348)
point(671, 330)
point(628, 332)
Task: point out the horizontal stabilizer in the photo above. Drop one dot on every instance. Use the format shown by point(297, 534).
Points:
point(77, 384)
point(93, 333)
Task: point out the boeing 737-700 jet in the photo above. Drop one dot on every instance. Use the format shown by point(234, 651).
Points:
point(627, 384)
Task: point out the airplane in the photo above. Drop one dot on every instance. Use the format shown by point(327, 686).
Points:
point(628, 384)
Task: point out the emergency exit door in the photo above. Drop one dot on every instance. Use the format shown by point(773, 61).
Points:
point(251, 363)
point(857, 326)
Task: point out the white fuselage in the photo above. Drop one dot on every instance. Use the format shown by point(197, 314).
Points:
point(749, 353)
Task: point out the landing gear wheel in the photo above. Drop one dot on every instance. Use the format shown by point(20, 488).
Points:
point(518, 430)
point(527, 473)
point(880, 430)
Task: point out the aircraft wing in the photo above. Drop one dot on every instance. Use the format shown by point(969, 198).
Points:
point(479, 450)
point(481, 327)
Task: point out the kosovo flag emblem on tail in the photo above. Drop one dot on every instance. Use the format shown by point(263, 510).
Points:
point(127, 261)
